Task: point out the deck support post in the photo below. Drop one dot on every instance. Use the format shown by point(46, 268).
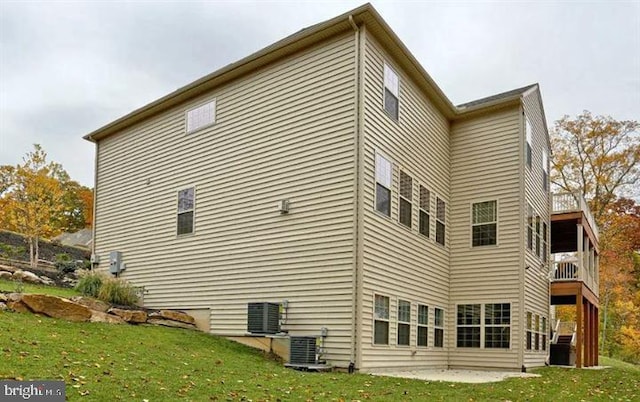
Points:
point(579, 337)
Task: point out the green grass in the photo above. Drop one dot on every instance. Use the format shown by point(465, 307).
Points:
point(11, 286)
point(102, 362)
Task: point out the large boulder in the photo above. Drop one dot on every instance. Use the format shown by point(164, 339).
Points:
point(26, 276)
point(57, 307)
point(132, 316)
point(3, 306)
point(6, 275)
point(170, 323)
point(18, 305)
point(3, 297)
point(100, 316)
point(91, 303)
point(8, 268)
point(173, 315)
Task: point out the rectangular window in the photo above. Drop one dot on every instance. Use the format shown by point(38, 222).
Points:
point(381, 320)
point(441, 214)
point(545, 171)
point(538, 237)
point(544, 333)
point(497, 321)
point(404, 322)
point(528, 135)
point(383, 185)
point(391, 92)
point(484, 224)
point(186, 206)
point(425, 206)
point(423, 324)
point(529, 227)
point(545, 247)
point(201, 116)
point(537, 334)
point(468, 324)
point(406, 188)
point(438, 330)
point(529, 331)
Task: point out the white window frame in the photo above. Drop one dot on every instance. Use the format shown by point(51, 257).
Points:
point(441, 221)
point(426, 211)
point(478, 325)
point(192, 210)
point(406, 323)
point(205, 111)
point(403, 197)
point(493, 325)
point(483, 326)
point(437, 327)
point(391, 82)
point(381, 319)
point(420, 325)
point(384, 179)
point(494, 222)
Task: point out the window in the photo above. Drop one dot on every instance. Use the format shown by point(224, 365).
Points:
point(381, 320)
point(529, 331)
point(201, 116)
point(425, 206)
point(497, 321)
point(383, 185)
point(391, 92)
point(538, 237)
point(544, 333)
point(528, 143)
point(484, 223)
point(440, 220)
point(438, 330)
point(545, 171)
point(545, 246)
point(423, 322)
point(406, 188)
point(529, 227)
point(186, 204)
point(536, 321)
point(404, 322)
point(468, 326)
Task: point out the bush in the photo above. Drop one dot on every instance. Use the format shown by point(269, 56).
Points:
point(65, 264)
point(11, 252)
point(90, 283)
point(118, 291)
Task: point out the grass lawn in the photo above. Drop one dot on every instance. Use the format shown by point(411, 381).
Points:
point(101, 362)
point(11, 286)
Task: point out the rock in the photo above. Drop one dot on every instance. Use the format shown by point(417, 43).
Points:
point(170, 323)
point(69, 281)
point(14, 296)
point(132, 316)
point(57, 307)
point(3, 306)
point(3, 297)
point(100, 316)
point(18, 306)
point(8, 268)
point(6, 275)
point(91, 303)
point(45, 280)
point(173, 315)
point(26, 276)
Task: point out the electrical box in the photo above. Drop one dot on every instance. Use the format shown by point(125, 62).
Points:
point(283, 206)
point(115, 262)
point(95, 258)
point(263, 318)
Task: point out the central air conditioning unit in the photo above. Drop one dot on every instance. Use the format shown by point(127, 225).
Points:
point(263, 318)
point(303, 351)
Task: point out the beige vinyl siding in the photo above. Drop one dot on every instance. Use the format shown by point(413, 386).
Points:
point(484, 166)
point(536, 277)
point(399, 262)
point(284, 132)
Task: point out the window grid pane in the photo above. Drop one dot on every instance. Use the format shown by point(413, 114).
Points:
point(406, 185)
point(383, 171)
point(425, 198)
point(405, 212)
point(383, 199)
point(424, 223)
point(423, 314)
point(404, 311)
point(382, 307)
point(484, 212)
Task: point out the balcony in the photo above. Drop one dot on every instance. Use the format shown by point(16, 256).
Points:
point(573, 202)
point(566, 267)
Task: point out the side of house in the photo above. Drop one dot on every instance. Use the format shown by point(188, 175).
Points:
point(190, 197)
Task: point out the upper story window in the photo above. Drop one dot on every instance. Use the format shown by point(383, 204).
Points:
point(529, 227)
point(545, 171)
point(201, 116)
point(391, 92)
point(484, 224)
point(441, 213)
point(425, 206)
point(545, 247)
point(528, 136)
point(381, 320)
point(538, 236)
point(383, 185)
point(406, 188)
point(186, 208)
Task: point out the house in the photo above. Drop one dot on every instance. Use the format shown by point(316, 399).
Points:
point(329, 173)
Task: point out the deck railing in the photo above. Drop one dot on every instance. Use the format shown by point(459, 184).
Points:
point(573, 202)
point(570, 268)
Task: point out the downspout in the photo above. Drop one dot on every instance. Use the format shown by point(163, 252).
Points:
point(95, 201)
point(355, 327)
point(521, 273)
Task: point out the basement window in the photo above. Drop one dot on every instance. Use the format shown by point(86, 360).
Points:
point(186, 209)
point(383, 185)
point(484, 223)
point(404, 322)
point(425, 204)
point(381, 320)
point(404, 201)
point(201, 116)
point(391, 92)
point(423, 322)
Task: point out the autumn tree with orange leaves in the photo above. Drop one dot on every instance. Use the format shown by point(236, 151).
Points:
point(599, 157)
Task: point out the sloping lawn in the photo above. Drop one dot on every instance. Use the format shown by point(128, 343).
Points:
point(101, 362)
point(11, 286)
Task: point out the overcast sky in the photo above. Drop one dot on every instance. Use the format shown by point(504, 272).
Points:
point(68, 68)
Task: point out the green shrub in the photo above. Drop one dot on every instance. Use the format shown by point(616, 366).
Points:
point(118, 291)
point(90, 282)
point(65, 264)
point(11, 252)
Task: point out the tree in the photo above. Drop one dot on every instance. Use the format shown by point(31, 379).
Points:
point(597, 156)
point(78, 207)
point(33, 202)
